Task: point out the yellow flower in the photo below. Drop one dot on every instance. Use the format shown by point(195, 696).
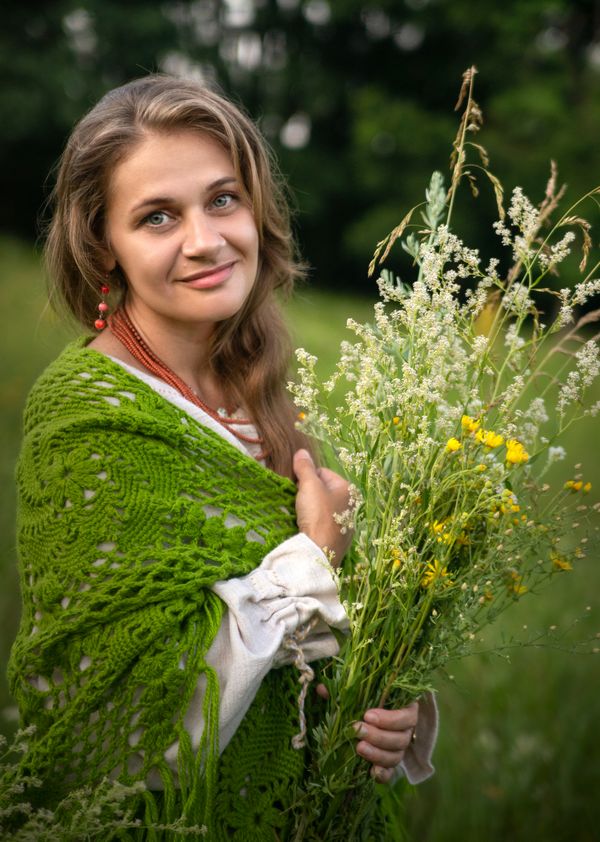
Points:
point(396, 558)
point(301, 416)
point(587, 488)
point(561, 563)
point(395, 420)
point(515, 585)
point(470, 425)
point(576, 485)
point(515, 452)
point(438, 525)
point(434, 572)
point(452, 445)
point(489, 438)
point(480, 468)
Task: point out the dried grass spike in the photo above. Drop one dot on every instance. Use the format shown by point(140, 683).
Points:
point(388, 242)
point(467, 78)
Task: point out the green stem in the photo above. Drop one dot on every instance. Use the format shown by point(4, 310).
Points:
point(406, 648)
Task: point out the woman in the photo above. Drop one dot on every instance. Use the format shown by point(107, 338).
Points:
point(171, 569)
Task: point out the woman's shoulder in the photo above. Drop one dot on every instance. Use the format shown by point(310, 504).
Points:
point(85, 383)
point(85, 393)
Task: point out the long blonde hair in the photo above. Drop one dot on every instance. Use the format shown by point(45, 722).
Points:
point(250, 352)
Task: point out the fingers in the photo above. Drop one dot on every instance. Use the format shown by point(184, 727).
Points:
point(383, 748)
point(390, 741)
point(381, 775)
point(331, 480)
point(322, 691)
point(394, 720)
point(384, 736)
point(378, 757)
point(321, 494)
point(304, 467)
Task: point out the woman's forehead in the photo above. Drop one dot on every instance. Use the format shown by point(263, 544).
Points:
point(171, 160)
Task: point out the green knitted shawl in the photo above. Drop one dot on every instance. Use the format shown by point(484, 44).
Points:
point(122, 502)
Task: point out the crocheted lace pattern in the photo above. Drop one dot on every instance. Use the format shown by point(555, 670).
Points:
point(128, 511)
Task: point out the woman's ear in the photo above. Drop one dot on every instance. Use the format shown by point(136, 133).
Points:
point(108, 260)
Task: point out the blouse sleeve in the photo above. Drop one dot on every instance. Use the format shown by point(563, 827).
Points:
point(293, 585)
point(417, 765)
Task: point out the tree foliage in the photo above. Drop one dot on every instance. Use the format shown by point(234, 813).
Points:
point(356, 96)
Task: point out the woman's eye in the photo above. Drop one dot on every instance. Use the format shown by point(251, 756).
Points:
point(224, 200)
point(156, 218)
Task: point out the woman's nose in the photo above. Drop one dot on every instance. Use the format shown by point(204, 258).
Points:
point(202, 237)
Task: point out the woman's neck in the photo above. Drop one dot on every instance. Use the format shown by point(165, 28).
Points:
point(181, 348)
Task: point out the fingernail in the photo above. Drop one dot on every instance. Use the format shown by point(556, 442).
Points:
point(360, 729)
point(304, 454)
point(371, 717)
point(376, 772)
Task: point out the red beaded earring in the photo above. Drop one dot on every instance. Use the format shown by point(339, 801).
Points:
point(100, 322)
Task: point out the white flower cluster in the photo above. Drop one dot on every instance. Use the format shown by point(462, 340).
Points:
point(556, 454)
point(478, 298)
point(523, 214)
point(588, 363)
point(594, 409)
point(558, 252)
point(479, 347)
point(306, 390)
point(537, 411)
point(526, 218)
point(565, 314)
point(511, 394)
point(516, 300)
point(513, 341)
point(569, 392)
point(503, 232)
point(585, 290)
point(346, 519)
point(586, 371)
point(530, 421)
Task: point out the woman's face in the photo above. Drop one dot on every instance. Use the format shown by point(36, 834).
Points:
point(179, 230)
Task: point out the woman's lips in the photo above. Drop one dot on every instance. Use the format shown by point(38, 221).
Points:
point(207, 280)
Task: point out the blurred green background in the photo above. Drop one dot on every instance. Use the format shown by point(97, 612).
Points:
point(357, 99)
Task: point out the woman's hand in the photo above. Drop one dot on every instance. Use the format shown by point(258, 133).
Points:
point(384, 736)
point(321, 493)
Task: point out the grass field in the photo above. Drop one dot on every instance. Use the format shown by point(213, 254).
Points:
point(518, 757)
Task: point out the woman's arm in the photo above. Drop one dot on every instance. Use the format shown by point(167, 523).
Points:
point(293, 585)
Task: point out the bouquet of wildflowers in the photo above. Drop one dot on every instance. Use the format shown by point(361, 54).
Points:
point(455, 399)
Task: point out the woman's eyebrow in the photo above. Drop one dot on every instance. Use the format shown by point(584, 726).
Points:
point(165, 200)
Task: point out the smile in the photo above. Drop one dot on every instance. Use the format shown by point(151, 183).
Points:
point(211, 278)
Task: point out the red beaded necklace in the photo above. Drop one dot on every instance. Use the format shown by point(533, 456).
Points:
point(126, 332)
